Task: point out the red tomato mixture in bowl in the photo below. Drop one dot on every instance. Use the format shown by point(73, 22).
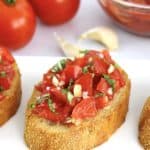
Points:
point(77, 89)
point(133, 15)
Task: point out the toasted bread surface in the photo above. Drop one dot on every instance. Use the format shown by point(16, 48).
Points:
point(11, 101)
point(144, 126)
point(41, 134)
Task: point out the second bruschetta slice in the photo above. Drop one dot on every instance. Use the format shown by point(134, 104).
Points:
point(10, 85)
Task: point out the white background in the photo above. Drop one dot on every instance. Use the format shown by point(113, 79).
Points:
point(89, 15)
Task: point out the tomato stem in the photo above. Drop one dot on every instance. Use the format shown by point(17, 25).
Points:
point(10, 2)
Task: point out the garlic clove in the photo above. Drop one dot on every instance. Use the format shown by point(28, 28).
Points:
point(70, 50)
point(104, 35)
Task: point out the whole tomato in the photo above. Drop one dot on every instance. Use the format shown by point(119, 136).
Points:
point(53, 12)
point(17, 23)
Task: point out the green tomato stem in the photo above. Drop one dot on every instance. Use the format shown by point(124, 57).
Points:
point(10, 2)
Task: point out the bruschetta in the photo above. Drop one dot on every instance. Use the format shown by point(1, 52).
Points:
point(78, 104)
point(10, 85)
point(144, 126)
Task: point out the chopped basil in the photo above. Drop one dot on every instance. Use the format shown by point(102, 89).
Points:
point(99, 95)
point(69, 96)
point(42, 98)
point(32, 105)
point(84, 52)
point(116, 65)
point(10, 2)
point(64, 91)
point(85, 69)
point(51, 105)
point(2, 74)
point(110, 81)
point(59, 66)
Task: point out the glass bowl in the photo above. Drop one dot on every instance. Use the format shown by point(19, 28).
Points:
point(131, 16)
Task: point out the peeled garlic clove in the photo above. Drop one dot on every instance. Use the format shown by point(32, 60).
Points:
point(104, 35)
point(69, 49)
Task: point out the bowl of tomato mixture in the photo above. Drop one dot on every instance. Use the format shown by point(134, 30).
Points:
point(132, 15)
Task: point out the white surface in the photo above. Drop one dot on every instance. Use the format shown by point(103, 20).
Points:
point(89, 15)
point(11, 134)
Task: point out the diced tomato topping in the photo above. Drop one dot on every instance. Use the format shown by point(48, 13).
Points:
point(101, 102)
point(90, 73)
point(86, 81)
point(6, 56)
point(85, 109)
point(118, 76)
point(44, 111)
point(4, 83)
point(117, 86)
point(100, 67)
point(102, 86)
point(107, 57)
point(81, 61)
point(58, 96)
point(70, 72)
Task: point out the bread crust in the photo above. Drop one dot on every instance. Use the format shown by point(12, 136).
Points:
point(11, 101)
point(41, 134)
point(144, 126)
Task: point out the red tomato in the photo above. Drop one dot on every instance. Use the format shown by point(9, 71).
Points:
point(5, 83)
point(118, 76)
point(70, 72)
point(101, 102)
point(86, 108)
point(102, 86)
point(6, 56)
point(43, 111)
point(100, 67)
point(58, 96)
point(17, 23)
point(86, 81)
point(107, 57)
point(54, 12)
point(81, 61)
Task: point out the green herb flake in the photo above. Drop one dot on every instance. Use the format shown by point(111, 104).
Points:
point(32, 105)
point(2, 74)
point(51, 105)
point(59, 66)
point(69, 96)
point(42, 98)
point(64, 91)
point(116, 65)
point(99, 95)
point(85, 69)
point(10, 2)
point(110, 81)
point(84, 52)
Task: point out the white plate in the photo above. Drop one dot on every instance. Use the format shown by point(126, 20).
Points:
point(125, 138)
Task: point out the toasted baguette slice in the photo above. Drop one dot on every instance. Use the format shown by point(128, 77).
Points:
point(41, 134)
point(144, 126)
point(11, 101)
